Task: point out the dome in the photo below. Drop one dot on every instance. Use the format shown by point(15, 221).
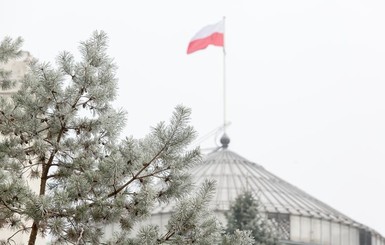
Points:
point(298, 217)
point(234, 174)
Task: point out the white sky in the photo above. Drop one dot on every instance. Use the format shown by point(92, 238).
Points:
point(305, 80)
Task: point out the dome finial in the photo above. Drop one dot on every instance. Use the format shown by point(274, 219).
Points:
point(225, 140)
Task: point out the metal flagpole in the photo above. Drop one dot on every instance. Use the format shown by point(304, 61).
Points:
point(224, 77)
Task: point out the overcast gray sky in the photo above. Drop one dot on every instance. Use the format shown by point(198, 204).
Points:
point(305, 80)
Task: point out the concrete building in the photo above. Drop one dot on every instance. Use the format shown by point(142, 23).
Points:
point(298, 217)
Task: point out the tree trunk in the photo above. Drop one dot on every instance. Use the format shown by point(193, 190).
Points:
point(43, 182)
point(33, 235)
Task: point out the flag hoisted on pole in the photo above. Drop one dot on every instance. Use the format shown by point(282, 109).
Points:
point(212, 35)
point(208, 35)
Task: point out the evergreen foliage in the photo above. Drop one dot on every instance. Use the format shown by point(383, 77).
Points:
point(65, 174)
point(9, 49)
point(244, 215)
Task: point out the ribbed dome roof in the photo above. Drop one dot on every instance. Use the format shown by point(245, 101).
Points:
point(297, 215)
point(234, 174)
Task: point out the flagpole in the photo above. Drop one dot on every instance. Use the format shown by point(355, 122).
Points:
point(224, 77)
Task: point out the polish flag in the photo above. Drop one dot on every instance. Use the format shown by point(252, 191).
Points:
point(208, 35)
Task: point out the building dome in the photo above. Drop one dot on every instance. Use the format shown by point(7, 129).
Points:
point(298, 217)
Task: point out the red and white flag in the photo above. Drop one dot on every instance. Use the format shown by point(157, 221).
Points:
point(208, 35)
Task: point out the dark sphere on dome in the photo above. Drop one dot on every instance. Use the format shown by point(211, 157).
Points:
point(225, 140)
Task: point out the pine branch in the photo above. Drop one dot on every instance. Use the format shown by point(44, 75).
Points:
point(135, 177)
point(14, 234)
point(13, 210)
point(10, 48)
point(153, 174)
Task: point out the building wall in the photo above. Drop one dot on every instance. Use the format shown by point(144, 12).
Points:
point(305, 230)
point(19, 68)
point(325, 232)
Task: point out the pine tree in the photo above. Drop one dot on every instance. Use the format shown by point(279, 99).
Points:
point(61, 131)
point(244, 215)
